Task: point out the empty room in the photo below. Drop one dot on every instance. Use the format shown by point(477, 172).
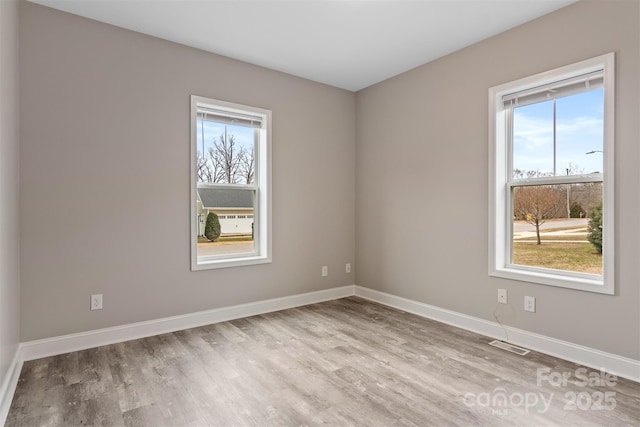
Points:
point(344, 213)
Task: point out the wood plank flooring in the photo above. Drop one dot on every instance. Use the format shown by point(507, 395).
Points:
point(339, 363)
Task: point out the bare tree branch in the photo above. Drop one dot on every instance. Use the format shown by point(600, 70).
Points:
point(226, 162)
point(203, 169)
point(536, 204)
point(225, 155)
point(247, 166)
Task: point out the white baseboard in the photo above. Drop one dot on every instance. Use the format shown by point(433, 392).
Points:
point(618, 365)
point(8, 386)
point(64, 344)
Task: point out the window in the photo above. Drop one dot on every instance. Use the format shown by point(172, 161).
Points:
point(551, 177)
point(230, 171)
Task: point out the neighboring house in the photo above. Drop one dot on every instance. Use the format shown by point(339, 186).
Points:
point(234, 209)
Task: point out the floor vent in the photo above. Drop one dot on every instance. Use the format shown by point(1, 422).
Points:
point(510, 347)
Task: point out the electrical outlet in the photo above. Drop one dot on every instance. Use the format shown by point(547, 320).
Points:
point(325, 271)
point(502, 296)
point(347, 268)
point(530, 304)
point(96, 302)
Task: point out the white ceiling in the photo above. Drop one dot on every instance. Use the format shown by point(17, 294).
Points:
point(347, 44)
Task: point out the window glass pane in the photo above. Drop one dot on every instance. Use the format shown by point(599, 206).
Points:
point(225, 153)
point(580, 131)
point(567, 141)
point(533, 140)
point(225, 221)
point(558, 227)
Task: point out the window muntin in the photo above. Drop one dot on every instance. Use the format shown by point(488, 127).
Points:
point(552, 146)
point(230, 159)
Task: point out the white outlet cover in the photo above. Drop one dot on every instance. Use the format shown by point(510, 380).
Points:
point(530, 304)
point(96, 302)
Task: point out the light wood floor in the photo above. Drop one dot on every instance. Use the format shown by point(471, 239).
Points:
point(339, 363)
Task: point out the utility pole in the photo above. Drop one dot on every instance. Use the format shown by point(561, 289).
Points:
point(568, 196)
point(554, 138)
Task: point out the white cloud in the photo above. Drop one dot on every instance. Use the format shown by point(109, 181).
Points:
point(533, 142)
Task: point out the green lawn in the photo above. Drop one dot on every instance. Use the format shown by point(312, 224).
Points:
point(577, 256)
point(543, 237)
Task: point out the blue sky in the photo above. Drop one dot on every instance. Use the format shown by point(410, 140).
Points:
point(579, 129)
point(243, 135)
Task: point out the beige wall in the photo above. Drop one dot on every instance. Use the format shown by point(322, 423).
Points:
point(422, 146)
point(9, 175)
point(105, 143)
point(105, 176)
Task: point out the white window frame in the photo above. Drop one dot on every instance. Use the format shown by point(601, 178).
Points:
point(261, 188)
point(500, 203)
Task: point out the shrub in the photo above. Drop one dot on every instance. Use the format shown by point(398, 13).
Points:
point(595, 228)
point(212, 227)
point(576, 210)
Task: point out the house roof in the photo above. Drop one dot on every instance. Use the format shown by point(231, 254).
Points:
point(216, 198)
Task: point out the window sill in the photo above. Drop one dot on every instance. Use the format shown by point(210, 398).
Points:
point(229, 262)
point(582, 282)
